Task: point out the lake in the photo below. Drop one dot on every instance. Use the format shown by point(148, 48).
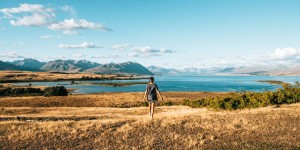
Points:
point(182, 83)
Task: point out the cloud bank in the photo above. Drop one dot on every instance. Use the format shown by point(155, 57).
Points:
point(40, 15)
point(29, 15)
point(107, 56)
point(11, 54)
point(69, 25)
point(79, 46)
point(122, 46)
point(148, 51)
point(285, 54)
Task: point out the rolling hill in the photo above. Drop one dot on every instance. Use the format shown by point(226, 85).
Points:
point(74, 66)
point(9, 66)
point(69, 65)
point(29, 63)
point(121, 68)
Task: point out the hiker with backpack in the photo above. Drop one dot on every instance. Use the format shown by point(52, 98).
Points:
point(151, 95)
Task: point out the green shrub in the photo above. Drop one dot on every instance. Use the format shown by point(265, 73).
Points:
point(2, 92)
point(143, 104)
point(56, 91)
point(169, 103)
point(21, 92)
point(239, 100)
point(195, 104)
point(8, 91)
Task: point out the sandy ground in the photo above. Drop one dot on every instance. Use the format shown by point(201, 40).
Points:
point(173, 127)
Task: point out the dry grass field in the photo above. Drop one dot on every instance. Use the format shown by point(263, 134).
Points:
point(95, 122)
point(130, 99)
point(15, 76)
point(173, 127)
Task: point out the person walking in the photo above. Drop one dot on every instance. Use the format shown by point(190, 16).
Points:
point(151, 95)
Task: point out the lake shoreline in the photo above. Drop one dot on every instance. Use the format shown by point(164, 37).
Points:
point(116, 84)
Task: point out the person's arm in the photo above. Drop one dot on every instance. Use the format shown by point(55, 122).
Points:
point(162, 98)
point(146, 94)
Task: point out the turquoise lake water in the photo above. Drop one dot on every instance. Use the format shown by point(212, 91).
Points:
point(183, 83)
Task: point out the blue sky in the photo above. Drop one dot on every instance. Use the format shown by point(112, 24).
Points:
point(167, 33)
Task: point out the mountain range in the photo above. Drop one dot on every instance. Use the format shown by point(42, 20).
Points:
point(244, 70)
point(122, 68)
point(133, 68)
point(73, 66)
point(29, 63)
point(69, 65)
point(9, 66)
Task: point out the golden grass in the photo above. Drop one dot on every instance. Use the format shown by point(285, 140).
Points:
point(175, 127)
point(91, 122)
point(131, 99)
point(48, 76)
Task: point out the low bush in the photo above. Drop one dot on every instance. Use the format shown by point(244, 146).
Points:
point(56, 91)
point(169, 103)
point(21, 92)
point(49, 91)
point(239, 100)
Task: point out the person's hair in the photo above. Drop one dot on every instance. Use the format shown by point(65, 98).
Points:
point(151, 79)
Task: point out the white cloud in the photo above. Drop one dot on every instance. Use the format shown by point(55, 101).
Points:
point(80, 46)
point(46, 37)
point(11, 54)
point(70, 10)
point(107, 56)
point(69, 25)
point(147, 51)
point(163, 50)
point(142, 52)
point(285, 53)
point(39, 15)
point(143, 55)
point(61, 56)
point(134, 55)
point(70, 32)
point(122, 46)
point(280, 56)
point(79, 55)
point(26, 8)
point(35, 20)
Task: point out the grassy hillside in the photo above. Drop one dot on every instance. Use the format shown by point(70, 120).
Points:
point(8, 66)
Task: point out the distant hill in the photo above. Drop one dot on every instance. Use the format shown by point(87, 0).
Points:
point(61, 66)
point(84, 64)
point(171, 71)
point(162, 71)
point(29, 63)
point(9, 66)
point(245, 70)
point(73, 66)
point(69, 65)
point(189, 71)
point(121, 68)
